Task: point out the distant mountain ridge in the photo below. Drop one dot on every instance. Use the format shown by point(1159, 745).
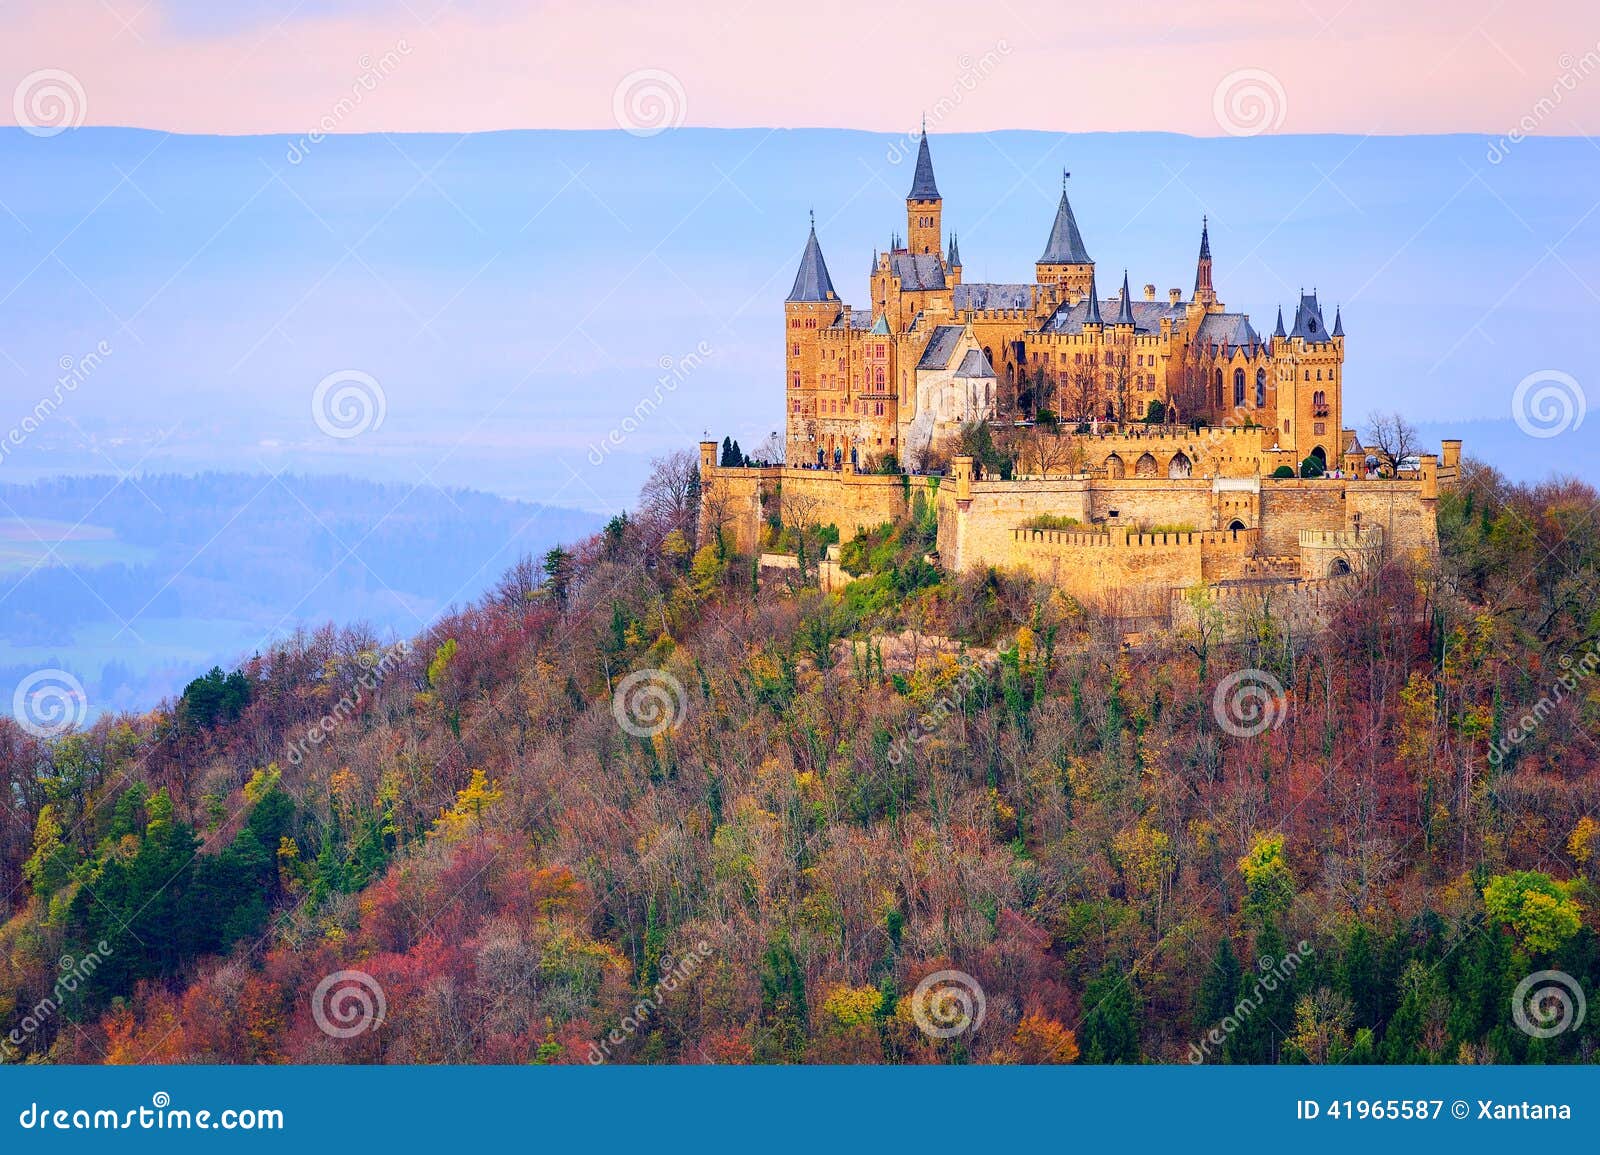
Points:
point(518, 305)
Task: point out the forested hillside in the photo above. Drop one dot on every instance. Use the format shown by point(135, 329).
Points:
point(638, 806)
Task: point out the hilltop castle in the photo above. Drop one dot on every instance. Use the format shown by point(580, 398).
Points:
point(1163, 444)
point(933, 351)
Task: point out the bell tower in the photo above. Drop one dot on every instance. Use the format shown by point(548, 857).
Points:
point(924, 206)
point(1065, 262)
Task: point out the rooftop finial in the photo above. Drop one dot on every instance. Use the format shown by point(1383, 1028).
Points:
point(813, 214)
point(924, 124)
point(1064, 175)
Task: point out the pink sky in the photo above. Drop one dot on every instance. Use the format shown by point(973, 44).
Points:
point(1227, 66)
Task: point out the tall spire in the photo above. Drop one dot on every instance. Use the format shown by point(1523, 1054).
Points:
point(1092, 317)
point(1202, 269)
point(1125, 316)
point(1338, 322)
point(1065, 246)
point(954, 260)
point(923, 187)
point(811, 281)
point(1279, 331)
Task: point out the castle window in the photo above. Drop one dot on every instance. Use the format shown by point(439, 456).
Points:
point(1238, 387)
point(1261, 388)
point(794, 349)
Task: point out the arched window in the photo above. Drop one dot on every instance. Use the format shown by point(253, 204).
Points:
point(1220, 401)
point(1238, 387)
point(1261, 388)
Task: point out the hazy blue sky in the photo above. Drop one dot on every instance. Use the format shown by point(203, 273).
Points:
point(515, 295)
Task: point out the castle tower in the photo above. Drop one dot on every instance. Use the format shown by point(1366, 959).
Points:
point(1065, 262)
point(1203, 290)
point(810, 307)
point(953, 263)
point(924, 206)
point(1308, 363)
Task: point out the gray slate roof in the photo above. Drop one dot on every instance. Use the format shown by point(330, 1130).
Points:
point(917, 270)
point(859, 319)
point(1227, 329)
point(979, 295)
point(1308, 322)
point(975, 364)
point(811, 282)
point(1065, 246)
point(923, 187)
point(941, 347)
point(1147, 315)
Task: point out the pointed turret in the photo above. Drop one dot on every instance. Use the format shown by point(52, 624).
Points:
point(955, 253)
point(1203, 290)
point(1308, 324)
point(1065, 245)
point(924, 206)
point(1065, 262)
point(1092, 317)
point(1125, 314)
point(1338, 323)
point(923, 186)
point(811, 282)
point(1279, 331)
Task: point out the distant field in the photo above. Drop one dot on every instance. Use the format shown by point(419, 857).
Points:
point(26, 542)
